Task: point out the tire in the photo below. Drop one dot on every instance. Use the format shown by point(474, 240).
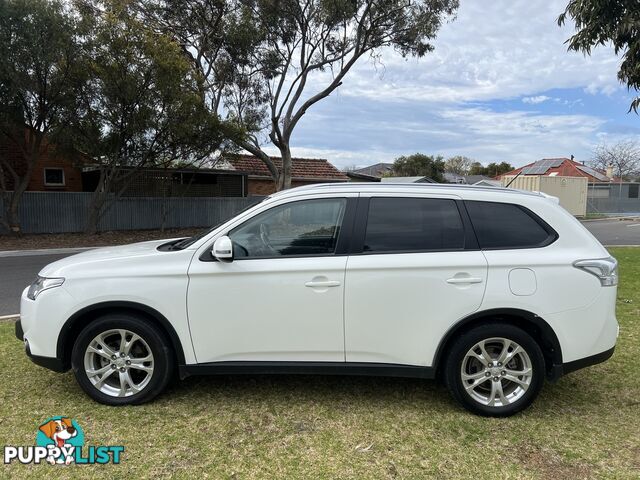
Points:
point(134, 374)
point(486, 377)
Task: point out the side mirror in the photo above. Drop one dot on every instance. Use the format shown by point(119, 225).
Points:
point(223, 249)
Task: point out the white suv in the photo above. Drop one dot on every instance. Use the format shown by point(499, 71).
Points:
point(489, 289)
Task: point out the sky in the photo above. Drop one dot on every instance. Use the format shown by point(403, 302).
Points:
point(499, 86)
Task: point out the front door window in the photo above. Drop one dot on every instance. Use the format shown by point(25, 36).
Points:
point(304, 228)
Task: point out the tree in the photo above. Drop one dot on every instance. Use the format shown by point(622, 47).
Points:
point(495, 169)
point(599, 22)
point(459, 165)
point(142, 107)
point(491, 170)
point(41, 74)
point(291, 55)
point(419, 165)
point(623, 156)
point(476, 168)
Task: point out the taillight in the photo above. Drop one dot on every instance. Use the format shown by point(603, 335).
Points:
point(606, 269)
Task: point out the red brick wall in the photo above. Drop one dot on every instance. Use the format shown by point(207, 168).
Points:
point(267, 187)
point(48, 159)
point(260, 187)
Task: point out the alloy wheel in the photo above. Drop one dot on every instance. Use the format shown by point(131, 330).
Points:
point(119, 363)
point(496, 372)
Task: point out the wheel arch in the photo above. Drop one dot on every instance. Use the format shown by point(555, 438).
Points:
point(74, 324)
point(530, 322)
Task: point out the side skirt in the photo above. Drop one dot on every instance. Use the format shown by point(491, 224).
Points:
point(308, 368)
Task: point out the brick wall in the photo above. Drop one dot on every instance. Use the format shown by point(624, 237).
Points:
point(260, 187)
point(48, 159)
point(267, 187)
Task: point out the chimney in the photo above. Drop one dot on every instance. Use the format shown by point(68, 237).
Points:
point(610, 171)
point(572, 157)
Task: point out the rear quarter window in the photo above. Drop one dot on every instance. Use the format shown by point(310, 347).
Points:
point(506, 225)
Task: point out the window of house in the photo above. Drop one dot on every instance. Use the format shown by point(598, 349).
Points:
point(308, 227)
point(54, 177)
point(633, 190)
point(505, 225)
point(413, 225)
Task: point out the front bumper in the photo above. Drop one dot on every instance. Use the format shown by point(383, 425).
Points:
point(52, 363)
point(19, 332)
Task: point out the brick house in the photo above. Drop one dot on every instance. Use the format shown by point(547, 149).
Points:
point(563, 167)
point(305, 171)
point(237, 175)
point(54, 171)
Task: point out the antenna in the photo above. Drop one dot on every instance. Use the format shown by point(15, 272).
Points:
point(512, 180)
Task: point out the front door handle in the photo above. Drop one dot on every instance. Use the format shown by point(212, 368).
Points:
point(322, 284)
point(463, 280)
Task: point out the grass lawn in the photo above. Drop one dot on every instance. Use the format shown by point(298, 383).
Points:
point(585, 426)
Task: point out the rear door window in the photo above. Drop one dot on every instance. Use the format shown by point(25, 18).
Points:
point(413, 225)
point(505, 225)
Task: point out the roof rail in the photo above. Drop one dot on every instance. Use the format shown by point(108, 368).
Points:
point(435, 186)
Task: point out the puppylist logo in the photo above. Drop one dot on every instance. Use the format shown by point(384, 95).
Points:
point(60, 441)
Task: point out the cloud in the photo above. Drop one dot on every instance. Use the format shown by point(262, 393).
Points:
point(492, 50)
point(537, 99)
point(360, 133)
point(466, 97)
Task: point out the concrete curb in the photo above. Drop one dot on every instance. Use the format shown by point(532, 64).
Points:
point(7, 318)
point(621, 246)
point(609, 219)
point(44, 251)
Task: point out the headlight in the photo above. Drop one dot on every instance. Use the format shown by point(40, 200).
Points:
point(42, 283)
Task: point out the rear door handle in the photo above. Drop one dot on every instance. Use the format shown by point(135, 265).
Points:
point(322, 284)
point(464, 280)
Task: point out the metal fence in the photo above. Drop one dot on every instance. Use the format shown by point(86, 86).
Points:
point(613, 198)
point(63, 212)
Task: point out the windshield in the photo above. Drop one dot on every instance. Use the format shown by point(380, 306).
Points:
point(186, 242)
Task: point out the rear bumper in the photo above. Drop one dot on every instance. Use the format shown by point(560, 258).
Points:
point(559, 370)
point(52, 363)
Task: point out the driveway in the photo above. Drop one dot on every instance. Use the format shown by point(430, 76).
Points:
point(615, 232)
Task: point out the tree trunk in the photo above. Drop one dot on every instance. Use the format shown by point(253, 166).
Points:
point(257, 151)
point(31, 155)
point(13, 208)
point(13, 215)
point(94, 212)
point(284, 182)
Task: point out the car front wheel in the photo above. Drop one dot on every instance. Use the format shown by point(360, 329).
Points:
point(121, 359)
point(495, 370)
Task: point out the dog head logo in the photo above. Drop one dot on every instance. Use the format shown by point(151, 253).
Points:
point(61, 435)
point(59, 430)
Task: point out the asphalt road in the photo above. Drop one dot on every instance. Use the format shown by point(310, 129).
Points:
point(615, 232)
point(18, 272)
point(15, 274)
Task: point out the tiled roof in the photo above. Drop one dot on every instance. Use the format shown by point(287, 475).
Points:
point(302, 168)
point(564, 167)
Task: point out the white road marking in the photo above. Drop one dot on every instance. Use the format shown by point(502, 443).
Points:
point(634, 225)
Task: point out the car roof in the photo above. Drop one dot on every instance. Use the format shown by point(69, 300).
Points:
point(371, 187)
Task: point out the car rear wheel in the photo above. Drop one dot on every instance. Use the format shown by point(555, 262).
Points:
point(495, 370)
point(121, 359)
